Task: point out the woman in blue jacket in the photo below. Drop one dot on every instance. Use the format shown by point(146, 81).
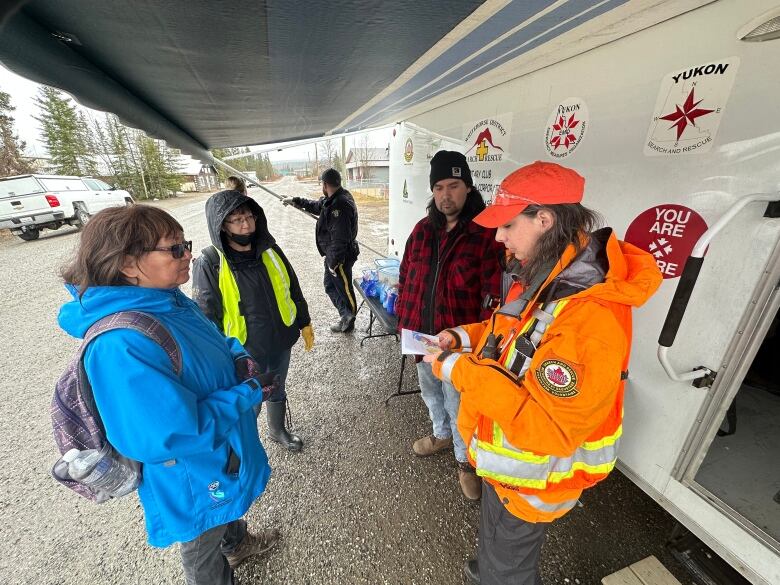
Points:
point(195, 433)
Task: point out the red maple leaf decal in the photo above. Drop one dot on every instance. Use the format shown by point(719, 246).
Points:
point(686, 115)
point(558, 376)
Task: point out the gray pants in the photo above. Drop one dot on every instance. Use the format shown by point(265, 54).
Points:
point(509, 548)
point(204, 558)
point(279, 363)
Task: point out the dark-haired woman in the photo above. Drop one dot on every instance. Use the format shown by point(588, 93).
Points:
point(244, 283)
point(542, 380)
point(450, 264)
point(182, 428)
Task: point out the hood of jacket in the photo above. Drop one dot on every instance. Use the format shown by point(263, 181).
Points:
point(222, 204)
point(607, 269)
point(77, 315)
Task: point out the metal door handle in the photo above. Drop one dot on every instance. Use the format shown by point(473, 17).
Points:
point(687, 282)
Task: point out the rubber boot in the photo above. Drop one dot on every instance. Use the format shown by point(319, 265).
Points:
point(276, 427)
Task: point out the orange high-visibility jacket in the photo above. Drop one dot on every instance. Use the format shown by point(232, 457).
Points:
point(542, 437)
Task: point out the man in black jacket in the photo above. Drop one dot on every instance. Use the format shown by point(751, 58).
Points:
point(244, 283)
point(337, 227)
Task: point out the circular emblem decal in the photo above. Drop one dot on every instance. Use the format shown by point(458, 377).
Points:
point(558, 378)
point(566, 128)
point(408, 150)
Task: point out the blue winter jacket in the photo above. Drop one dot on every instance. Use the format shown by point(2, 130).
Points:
point(180, 428)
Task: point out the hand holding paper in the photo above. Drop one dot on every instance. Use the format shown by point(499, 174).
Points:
point(416, 343)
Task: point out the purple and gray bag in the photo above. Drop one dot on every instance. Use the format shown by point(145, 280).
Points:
point(74, 416)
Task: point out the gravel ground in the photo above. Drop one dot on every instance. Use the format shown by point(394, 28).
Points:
point(354, 507)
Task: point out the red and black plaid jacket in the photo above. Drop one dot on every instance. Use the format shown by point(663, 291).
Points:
point(468, 269)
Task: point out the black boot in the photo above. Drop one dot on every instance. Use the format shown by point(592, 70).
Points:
point(472, 571)
point(276, 428)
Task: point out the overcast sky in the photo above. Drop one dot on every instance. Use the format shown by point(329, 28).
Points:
point(23, 93)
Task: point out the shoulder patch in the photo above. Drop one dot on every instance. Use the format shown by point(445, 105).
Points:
point(336, 213)
point(558, 378)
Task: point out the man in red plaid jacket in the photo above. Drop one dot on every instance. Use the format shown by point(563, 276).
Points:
point(450, 265)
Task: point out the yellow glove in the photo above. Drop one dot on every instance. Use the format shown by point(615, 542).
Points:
point(308, 337)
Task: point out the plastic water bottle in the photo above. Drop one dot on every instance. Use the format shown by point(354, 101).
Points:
point(392, 295)
point(100, 471)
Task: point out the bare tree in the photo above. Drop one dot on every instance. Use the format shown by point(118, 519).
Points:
point(327, 151)
point(364, 155)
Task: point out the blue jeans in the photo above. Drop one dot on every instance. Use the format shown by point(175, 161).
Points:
point(443, 402)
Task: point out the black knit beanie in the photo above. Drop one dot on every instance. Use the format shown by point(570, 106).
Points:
point(448, 164)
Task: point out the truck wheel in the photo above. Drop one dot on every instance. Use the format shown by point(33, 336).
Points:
point(82, 216)
point(30, 234)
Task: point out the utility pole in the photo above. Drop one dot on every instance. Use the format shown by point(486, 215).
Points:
point(344, 156)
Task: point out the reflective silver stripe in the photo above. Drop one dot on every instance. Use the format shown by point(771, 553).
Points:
point(542, 316)
point(547, 316)
point(463, 337)
point(523, 468)
point(447, 365)
point(546, 507)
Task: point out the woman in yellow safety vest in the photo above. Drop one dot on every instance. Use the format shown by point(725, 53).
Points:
point(244, 283)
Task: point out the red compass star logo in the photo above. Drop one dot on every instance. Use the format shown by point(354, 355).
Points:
point(564, 136)
point(687, 115)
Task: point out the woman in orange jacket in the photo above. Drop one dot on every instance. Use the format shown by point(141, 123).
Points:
point(542, 380)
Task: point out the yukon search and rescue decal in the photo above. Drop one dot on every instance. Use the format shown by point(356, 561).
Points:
point(486, 143)
point(669, 232)
point(558, 378)
point(566, 128)
point(689, 108)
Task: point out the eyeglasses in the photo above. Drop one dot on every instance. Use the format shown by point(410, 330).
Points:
point(177, 250)
point(241, 219)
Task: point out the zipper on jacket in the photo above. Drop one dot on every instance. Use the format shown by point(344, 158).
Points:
point(439, 262)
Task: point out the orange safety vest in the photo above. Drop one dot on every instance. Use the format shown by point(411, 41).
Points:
point(543, 433)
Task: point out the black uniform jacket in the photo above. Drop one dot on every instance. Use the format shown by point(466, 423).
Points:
point(266, 332)
point(337, 226)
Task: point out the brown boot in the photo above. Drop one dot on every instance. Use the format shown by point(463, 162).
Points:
point(430, 445)
point(253, 544)
point(470, 482)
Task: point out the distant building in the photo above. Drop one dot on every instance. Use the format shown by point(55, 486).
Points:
point(195, 176)
point(368, 165)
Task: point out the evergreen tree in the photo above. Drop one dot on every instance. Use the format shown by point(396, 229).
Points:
point(64, 133)
point(11, 161)
point(158, 162)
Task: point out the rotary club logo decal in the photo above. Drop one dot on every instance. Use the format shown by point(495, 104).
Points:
point(566, 128)
point(487, 141)
point(558, 378)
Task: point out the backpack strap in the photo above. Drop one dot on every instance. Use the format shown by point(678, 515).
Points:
point(141, 322)
point(211, 254)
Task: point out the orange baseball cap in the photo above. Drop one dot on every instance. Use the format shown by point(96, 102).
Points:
point(540, 183)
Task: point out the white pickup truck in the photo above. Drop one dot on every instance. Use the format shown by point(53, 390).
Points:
point(30, 203)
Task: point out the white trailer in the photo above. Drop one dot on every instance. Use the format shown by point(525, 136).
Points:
point(668, 108)
point(676, 129)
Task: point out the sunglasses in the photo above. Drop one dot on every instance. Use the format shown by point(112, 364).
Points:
point(177, 250)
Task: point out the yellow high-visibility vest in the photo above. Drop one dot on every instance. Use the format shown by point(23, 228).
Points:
point(233, 322)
